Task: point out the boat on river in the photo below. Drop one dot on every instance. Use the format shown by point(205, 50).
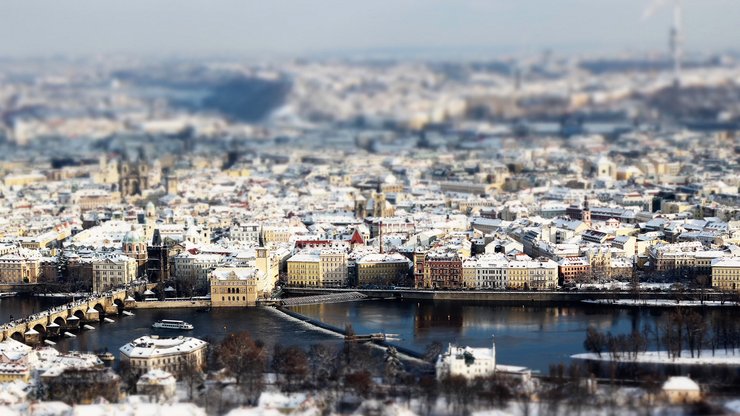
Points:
point(172, 324)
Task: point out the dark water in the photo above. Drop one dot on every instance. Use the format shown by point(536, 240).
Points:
point(262, 323)
point(530, 336)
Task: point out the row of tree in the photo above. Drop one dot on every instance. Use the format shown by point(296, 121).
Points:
point(681, 331)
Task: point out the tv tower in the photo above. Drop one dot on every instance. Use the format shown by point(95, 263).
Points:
point(675, 35)
point(676, 42)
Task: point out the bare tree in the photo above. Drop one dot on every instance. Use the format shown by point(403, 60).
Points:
point(595, 341)
point(360, 382)
point(292, 364)
point(192, 375)
point(456, 390)
point(244, 359)
point(696, 330)
point(323, 361)
point(393, 366)
point(432, 351)
point(429, 390)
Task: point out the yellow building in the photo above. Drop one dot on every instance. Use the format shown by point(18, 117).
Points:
point(234, 286)
point(13, 372)
point(726, 273)
point(533, 274)
point(23, 179)
point(277, 234)
point(470, 267)
point(324, 268)
point(19, 269)
point(269, 264)
point(382, 269)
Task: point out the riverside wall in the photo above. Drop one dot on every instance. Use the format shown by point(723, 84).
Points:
point(165, 304)
point(506, 297)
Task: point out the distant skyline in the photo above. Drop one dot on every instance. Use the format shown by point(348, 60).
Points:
point(340, 27)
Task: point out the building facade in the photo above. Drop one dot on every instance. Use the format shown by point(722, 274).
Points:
point(382, 269)
point(466, 362)
point(112, 271)
point(169, 354)
point(234, 286)
point(318, 268)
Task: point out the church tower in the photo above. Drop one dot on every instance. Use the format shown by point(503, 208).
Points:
point(586, 213)
point(134, 245)
point(170, 184)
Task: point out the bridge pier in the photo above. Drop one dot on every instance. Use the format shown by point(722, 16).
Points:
point(32, 337)
point(92, 315)
point(53, 330)
point(73, 322)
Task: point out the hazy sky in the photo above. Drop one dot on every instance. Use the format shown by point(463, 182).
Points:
point(304, 27)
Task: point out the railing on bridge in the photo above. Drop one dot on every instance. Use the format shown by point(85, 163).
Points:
point(59, 318)
point(332, 298)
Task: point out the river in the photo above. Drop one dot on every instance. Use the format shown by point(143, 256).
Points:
point(529, 336)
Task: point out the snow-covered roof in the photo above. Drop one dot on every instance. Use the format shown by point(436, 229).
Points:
point(680, 383)
point(153, 346)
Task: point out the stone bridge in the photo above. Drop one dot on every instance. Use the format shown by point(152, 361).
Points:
point(70, 316)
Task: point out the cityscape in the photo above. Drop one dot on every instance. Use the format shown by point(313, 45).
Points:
point(297, 226)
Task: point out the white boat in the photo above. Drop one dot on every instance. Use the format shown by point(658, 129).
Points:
point(172, 324)
point(70, 335)
point(108, 320)
point(88, 327)
point(127, 313)
point(49, 342)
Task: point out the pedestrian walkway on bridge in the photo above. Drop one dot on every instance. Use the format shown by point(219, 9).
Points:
point(318, 299)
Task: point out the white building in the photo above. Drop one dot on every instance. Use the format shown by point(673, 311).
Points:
point(113, 271)
point(160, 386)
point(467, 362)
point(486, 272)
point(245, 232)
point(195, 267)
point(169, 354)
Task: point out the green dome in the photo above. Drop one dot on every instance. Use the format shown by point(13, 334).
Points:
point(132, 237)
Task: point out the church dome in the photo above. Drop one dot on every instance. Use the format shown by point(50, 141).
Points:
point(132, 237)
point(150, 210)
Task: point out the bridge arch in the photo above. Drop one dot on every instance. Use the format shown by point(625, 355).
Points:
point(80, 314)
point(119, 303)
point(100, 308)
point(18, 336)
point(60, 321)
point(40, 328)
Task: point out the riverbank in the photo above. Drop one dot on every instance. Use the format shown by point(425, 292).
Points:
point(171, 304)
point(719, 357)
point(661, 303)
point(508, 297)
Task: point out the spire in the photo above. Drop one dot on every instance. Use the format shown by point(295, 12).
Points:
point(380, 235)
point(157, 238)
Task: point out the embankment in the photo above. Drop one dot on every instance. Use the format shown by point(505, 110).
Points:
point(165, 304)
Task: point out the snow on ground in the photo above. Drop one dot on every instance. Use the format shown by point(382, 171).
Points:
point(622, 286)
point(733, 406)
point(659, 302)
point(720, 357)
